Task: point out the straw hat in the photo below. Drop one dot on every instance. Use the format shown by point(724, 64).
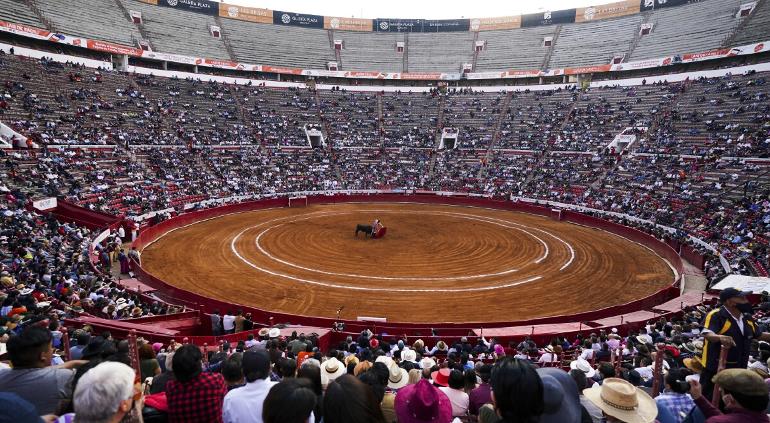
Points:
point(693, 364)
point(584, 366)
point(622, 400)
point(427, 363)
point(397, 377)
point(331, 369)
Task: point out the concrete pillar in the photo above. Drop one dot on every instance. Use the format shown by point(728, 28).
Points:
point(165, 65)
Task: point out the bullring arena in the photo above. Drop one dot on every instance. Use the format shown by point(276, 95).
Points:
point(306, 261)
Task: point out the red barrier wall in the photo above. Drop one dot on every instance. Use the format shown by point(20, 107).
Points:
point(91, 219)
point(176, 295)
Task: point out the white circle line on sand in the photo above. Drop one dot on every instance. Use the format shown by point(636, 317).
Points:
point(364, 288)
point(391, 278)
point(569, 246)
point(359, 288)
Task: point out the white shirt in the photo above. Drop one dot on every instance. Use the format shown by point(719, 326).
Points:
point(459, 399)
point(587, 354)
point(228, 322)
point(244, 404)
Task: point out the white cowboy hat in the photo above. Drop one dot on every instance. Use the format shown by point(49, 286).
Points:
point(622, 400)
point(409, 355)
point(331, 369)
point(427, 363)
point(120, 301)
point(121, 306)
point(274, 333)
point(398, 377)
point(26, 291)
point(584, 366)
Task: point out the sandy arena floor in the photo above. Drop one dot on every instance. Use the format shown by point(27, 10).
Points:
point(436, 264)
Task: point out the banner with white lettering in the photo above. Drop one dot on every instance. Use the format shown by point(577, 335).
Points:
point(298, 19)
point(420, 25)
point(197, 6)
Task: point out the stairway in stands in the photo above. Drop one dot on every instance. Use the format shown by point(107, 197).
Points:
point(139, 26)
point(437, 139)
point(33, 6)
point(225, 39)
point(547, 149)
point(327, 136)
point(730, 38)
point(496, 134)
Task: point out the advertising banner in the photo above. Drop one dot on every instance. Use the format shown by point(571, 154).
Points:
point(249, 14)
point(606, 11)
point(420, 25)
point(25, 30)
point(278, 69)
point(548, 18)
point(176, 58)
point(587, 69)
point(646, 5)
point(198, 6)
point(297, 19)
point(500, 22)
point(113, 48)
point(347, 24)
point(421, 76)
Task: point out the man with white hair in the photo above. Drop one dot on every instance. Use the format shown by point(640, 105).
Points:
point(105, 394)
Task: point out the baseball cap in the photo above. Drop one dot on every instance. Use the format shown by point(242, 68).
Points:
point(728, 293)
point(741, 381)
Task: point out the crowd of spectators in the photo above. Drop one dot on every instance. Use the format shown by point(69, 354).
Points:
point(654, 373)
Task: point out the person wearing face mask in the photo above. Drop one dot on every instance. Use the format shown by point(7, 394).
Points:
point(744, 394)
point(729, 324)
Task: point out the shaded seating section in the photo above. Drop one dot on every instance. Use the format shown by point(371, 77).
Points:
point(596, 42)
point(690, 28)
point(179, 31)
point(97, 19)
point(17, 11)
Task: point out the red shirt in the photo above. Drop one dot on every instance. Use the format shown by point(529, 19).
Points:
point(197, 401)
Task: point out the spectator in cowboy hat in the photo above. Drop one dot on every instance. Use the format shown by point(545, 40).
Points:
point(440, 377)
point(744, 394)
point(620, 401)
point(590, 411)
point(331, 369)
point(583, 366)
point(408, 355)
point(422, 403)
point(440, 348)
